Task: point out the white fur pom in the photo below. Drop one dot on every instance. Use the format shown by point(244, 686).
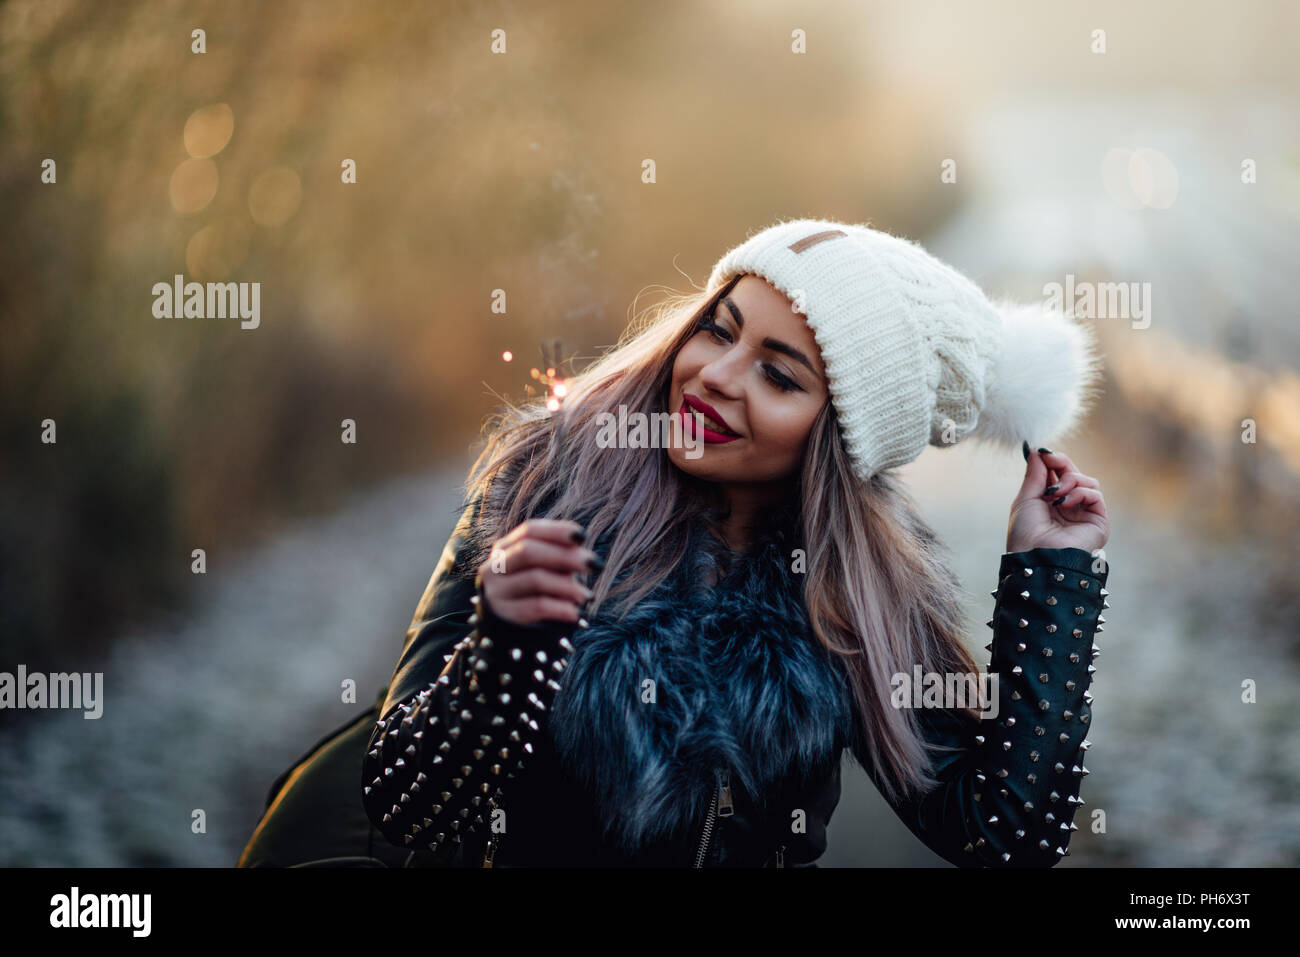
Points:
point(1043, 379)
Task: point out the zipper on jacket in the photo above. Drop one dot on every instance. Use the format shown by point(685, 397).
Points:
point(720, 805)
point(493, 837)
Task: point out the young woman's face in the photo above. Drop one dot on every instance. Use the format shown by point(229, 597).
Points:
point(759, 367)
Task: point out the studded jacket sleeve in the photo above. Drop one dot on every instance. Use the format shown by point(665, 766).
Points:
point(1009, 786)
point(465, 703)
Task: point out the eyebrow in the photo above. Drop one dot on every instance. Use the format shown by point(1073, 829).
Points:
point(776, 345)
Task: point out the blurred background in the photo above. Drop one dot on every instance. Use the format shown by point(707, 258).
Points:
point(1164, 150)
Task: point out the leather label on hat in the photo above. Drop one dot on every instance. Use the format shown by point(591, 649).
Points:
point(810, 241)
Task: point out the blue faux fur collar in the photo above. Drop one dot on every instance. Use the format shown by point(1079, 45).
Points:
point(739, 679)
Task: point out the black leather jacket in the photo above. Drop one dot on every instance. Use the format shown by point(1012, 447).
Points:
point(447, 752)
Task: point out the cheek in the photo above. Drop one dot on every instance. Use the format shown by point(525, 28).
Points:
point(689, 357)
point(785, 426)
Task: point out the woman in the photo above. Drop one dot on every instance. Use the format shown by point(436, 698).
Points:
point(760, 590)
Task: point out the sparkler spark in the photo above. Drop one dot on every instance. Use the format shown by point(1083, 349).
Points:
point(557, 388)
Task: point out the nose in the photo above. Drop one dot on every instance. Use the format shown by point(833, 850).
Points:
point(722, 375)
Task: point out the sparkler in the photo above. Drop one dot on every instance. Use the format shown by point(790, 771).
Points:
point(556, 389)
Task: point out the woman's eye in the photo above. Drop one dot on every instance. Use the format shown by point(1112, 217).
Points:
point(780, 381)
point(714, 329)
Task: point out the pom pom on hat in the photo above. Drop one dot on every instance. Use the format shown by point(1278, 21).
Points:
point(1044, 378)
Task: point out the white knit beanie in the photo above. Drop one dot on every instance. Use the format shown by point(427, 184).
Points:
point(914, 352)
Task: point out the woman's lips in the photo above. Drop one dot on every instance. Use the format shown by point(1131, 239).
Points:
point(706, 433)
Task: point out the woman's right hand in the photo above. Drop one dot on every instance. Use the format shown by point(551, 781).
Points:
point(532, 572)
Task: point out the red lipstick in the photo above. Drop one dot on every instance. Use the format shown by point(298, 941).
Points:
point(690, 405)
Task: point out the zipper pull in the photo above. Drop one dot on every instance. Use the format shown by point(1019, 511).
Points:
point(491, 849)
point(780, 856)
point(725, 807)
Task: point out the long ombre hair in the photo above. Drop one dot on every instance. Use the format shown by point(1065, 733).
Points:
point(878, 587)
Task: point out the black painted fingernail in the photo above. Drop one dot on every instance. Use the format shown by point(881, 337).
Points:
point(597, 562)
point(1051, 489)
point(1059, 500)
point(1047, 451)
point(1024, 447)
point(579, 535)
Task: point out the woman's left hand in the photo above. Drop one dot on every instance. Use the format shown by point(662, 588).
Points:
point(1079, 521)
